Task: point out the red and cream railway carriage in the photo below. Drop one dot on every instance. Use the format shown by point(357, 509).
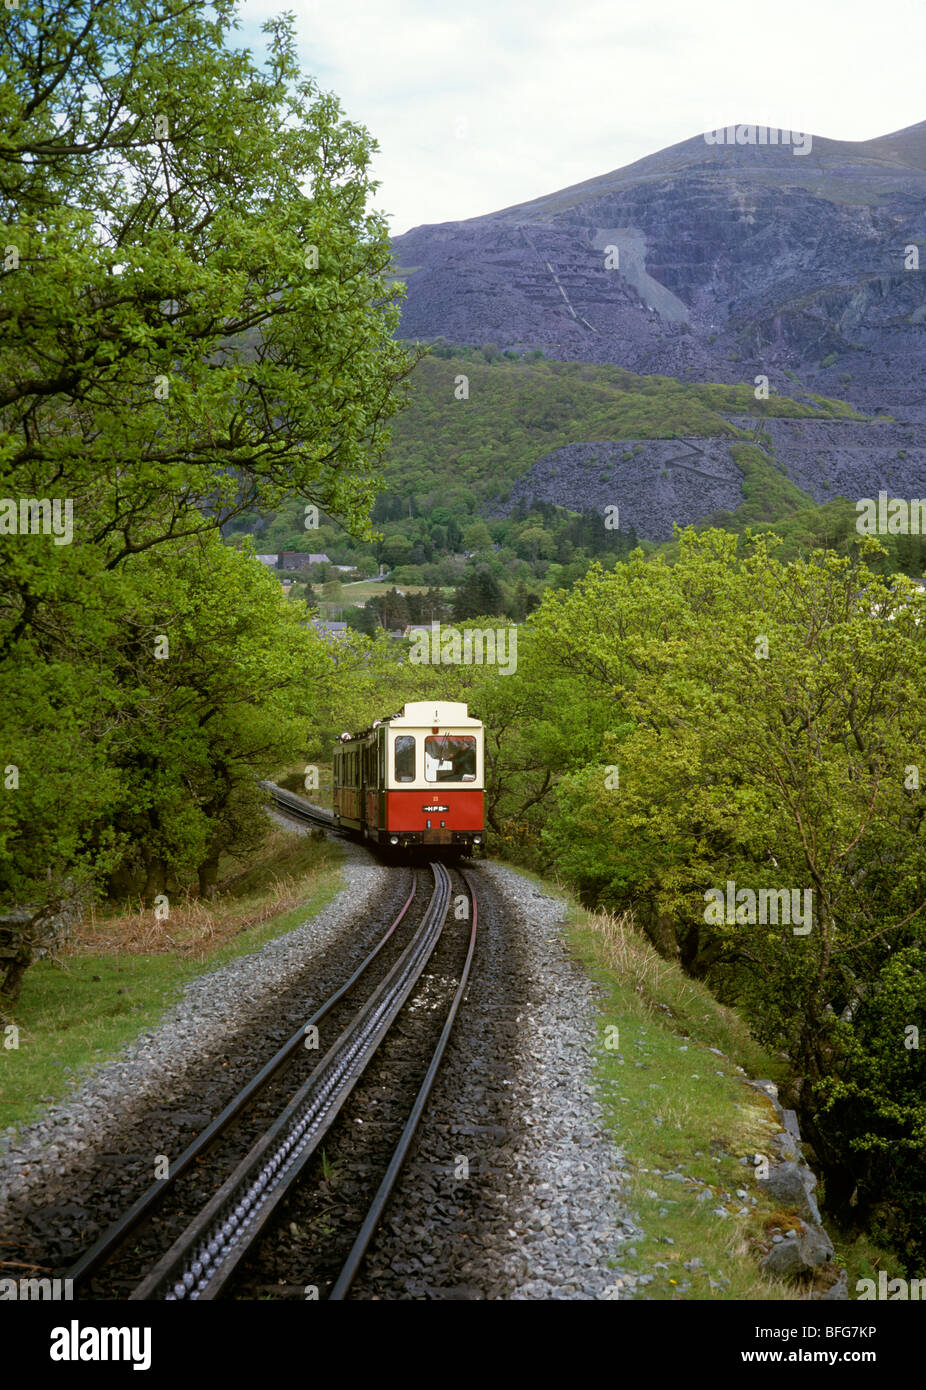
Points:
point(414, 779)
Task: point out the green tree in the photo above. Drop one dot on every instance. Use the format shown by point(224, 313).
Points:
point(396, 550)
point(538, 728)
point(197, 322)
point(477, 595)
point(390, 609)
point(535, 543)
point(167, 336)
point(477, 537)
point(765, 727)
point(209, 658)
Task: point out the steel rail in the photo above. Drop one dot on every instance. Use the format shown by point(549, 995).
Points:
point(299, 808)
point(116, 1233)
point(204, 1256)
point(374, 1215)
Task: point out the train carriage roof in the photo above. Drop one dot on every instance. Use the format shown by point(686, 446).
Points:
point(422, 714)
point(425, 713)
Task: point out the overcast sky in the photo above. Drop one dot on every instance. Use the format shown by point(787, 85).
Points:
point(478, 104)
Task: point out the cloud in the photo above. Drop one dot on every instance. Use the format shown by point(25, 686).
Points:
point(486, 103)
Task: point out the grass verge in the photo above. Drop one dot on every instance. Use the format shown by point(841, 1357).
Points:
point(671, 1070)
point(122, 971)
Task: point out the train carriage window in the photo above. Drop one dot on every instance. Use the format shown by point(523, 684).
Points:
point(405, 758)
point(450, 758)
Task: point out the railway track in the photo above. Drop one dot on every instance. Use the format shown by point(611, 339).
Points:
point(229, 1226)
point(297, 808)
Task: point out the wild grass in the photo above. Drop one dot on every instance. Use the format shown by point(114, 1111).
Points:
point(676, 1107)
point(673, 1106)
point(123, 969)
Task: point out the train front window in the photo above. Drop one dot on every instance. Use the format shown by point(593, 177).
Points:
point(405, 758)
point(450, 758)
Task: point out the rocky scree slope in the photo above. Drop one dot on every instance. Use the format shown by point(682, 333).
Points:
point(733, 261)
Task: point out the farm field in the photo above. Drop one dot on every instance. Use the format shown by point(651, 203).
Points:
point(365, 589)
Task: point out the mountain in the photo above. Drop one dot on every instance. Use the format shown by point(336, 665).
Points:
point(721, 262)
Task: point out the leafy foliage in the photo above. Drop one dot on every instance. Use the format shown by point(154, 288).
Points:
point(197, 320)
point(452, 460)
point(765, 724)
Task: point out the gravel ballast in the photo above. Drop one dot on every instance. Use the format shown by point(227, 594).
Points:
point(538, 1214)
point(214, 1008)
point(514, 1187)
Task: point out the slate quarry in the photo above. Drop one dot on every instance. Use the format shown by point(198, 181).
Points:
point(709, 262)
